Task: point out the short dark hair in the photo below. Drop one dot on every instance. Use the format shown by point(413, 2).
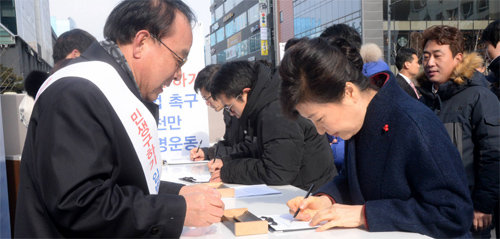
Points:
point(491, 33)
point(343, 31)
point(291, 42)
point(233, 77)
point(445, 35)
point(70, 40)
point(33, 82)
point(204, 78)
point(316, 71)
point(155, 16)
point(404, 54)
point(349, 50)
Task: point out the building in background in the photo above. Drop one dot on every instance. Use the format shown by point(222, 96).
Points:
point(26, 37)
point(407, 19)
point(61, 26)
point(241, 30)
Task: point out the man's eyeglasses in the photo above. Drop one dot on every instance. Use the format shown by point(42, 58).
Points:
point(228, 107)
point(206, 99)
point(180, 61)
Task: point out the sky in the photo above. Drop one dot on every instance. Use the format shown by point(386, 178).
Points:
point(91, 15)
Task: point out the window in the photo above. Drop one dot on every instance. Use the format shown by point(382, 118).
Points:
point(220, 34)
point(219, 12)
point(213, 40)
point(253, 14)
point(230, 29)
point(281, 16)
point(240, 22)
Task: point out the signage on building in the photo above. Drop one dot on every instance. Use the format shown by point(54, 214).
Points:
point(235, 39)
point(254, 28)
point(212, 51)
point(263, 28)
point(228, 16)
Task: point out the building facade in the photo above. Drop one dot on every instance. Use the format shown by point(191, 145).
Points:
point(240, 30)
point(26, 36)
point(407, 20)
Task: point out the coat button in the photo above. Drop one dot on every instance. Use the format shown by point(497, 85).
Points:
point(244, 131)
point(155, 230)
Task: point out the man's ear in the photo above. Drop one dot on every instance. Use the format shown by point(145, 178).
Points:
point(459, 56)
point(406, 65)
point(139, 43)
point(246, 90)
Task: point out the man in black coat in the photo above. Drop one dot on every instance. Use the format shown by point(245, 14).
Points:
point(233, 133)
point(460, 97)
point(89, 166)
point(279, 151)
point(491, 38)
point(408, 67)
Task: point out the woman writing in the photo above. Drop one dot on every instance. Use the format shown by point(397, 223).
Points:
point(402, 173)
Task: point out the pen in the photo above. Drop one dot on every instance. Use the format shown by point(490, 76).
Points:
point(216, 150)
point(307, 195)
point(199, 144)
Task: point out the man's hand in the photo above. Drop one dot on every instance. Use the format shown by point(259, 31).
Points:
point(203, 205)
point(481, 220)
point(214, 169)
point(339, 215)
point(308, 207)
point(196, 156)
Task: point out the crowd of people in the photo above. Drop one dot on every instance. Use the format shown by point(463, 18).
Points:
point(420, 148)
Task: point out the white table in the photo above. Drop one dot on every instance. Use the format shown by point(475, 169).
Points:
point(262, 205)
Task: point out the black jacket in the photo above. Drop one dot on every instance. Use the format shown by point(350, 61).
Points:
point(281, 151)
point(80, 175)
point(232, 136)
point(405, 86)
point(494, 76)
point(471, 115)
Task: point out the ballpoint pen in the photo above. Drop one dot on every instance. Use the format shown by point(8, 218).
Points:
point(307, 195)
point(199, 144)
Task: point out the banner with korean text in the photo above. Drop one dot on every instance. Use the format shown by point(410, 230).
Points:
point(183, 113)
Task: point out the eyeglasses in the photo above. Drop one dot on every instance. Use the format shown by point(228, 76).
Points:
point(206, 99)
point(228, 107)
point(180, 61)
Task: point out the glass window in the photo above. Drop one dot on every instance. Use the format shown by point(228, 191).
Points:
point(240, 22)
point(220, 35)
point(230, 29)
point(254, 43)
point(213, 40)
point(253, 14)
point(219, 12)
point(213, 18)
point(221, 57)
point(228, 5)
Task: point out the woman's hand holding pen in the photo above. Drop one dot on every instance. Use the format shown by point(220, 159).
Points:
point(308, 207)
point(196, 155)
point(214, 167)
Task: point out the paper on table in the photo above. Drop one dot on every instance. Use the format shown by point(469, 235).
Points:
point(286, 222)
point(253, 190)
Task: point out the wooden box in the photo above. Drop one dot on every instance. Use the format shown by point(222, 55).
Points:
point(242, 222)
point(224, 190)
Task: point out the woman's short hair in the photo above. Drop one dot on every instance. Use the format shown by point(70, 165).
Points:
point(316, 71)
point(155, 16)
